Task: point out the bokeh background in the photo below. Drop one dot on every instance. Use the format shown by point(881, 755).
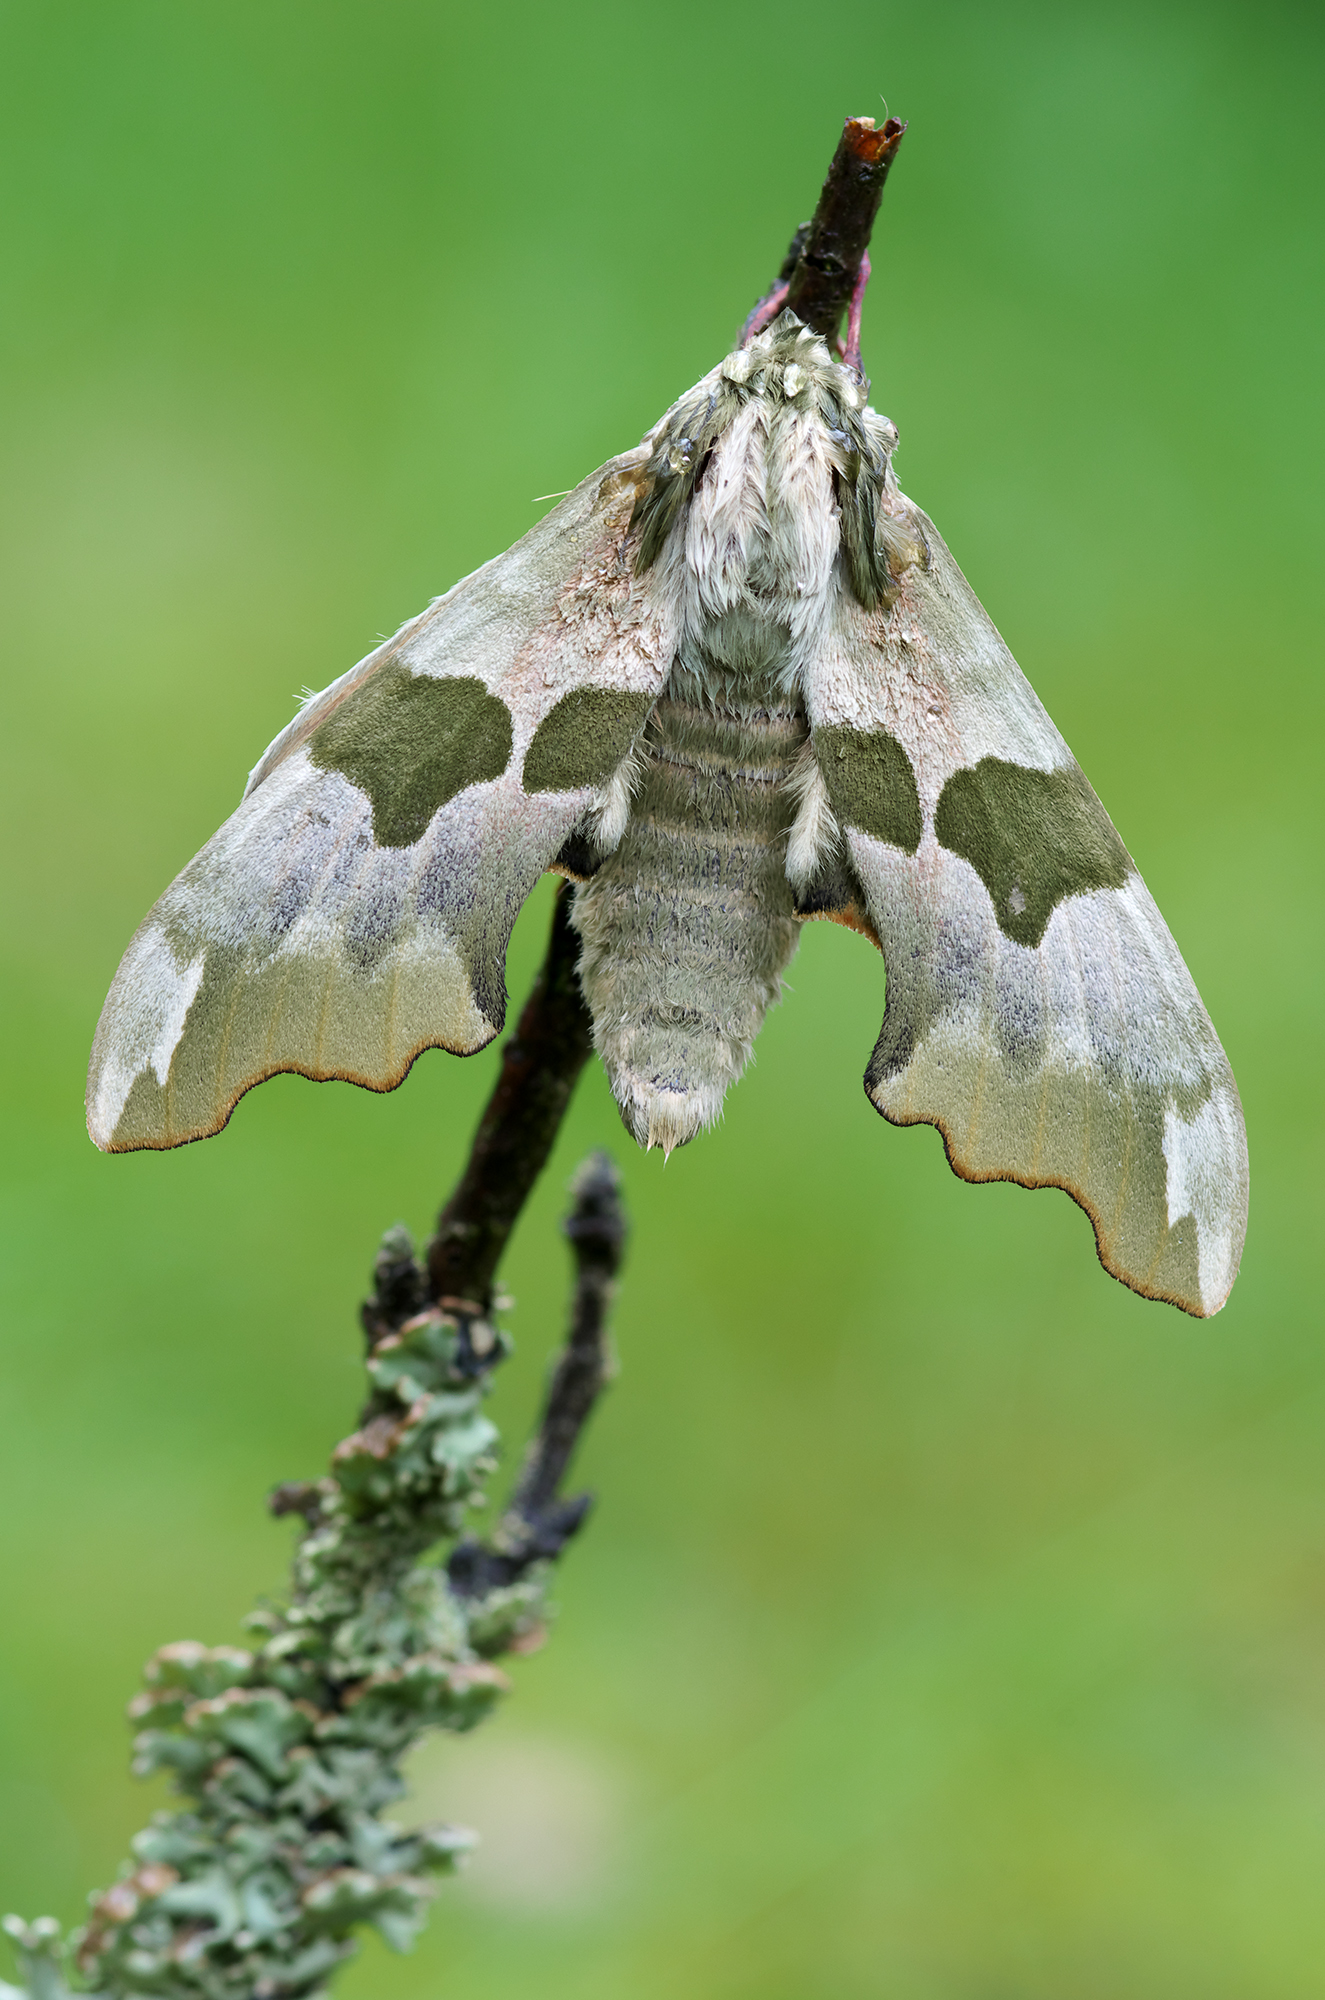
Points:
point(952, 1624)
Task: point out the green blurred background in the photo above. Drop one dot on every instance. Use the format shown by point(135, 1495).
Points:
point(952, 1625)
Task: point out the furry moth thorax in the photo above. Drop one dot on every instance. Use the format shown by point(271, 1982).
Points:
point(733, 681)
point(803, 474)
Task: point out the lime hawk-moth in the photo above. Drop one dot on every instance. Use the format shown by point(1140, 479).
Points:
point(732, 682)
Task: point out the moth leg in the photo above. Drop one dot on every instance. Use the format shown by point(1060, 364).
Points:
point(577, 859)
point(851, 349)
point(836, 897)
point(765, 312)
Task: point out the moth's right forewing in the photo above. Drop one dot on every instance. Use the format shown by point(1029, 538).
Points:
point(1038, 1011)
point(356, 908)
point(504, 624)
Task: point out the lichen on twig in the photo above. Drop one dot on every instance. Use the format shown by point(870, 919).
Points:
point(287, 1753)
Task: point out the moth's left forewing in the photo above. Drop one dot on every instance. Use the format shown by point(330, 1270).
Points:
point(1038, 1011)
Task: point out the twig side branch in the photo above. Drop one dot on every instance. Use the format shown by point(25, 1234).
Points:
point(538, 1523)
point(596, 1228)
point(255, 1886)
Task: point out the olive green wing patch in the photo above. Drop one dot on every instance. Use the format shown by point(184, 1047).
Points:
point(584, 738)
point(870, 783)
point(1033, 837)
point(411, 742)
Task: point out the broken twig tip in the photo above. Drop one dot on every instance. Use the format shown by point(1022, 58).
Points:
point(874, 144)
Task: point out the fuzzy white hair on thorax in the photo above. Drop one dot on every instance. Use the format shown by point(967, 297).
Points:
point(728, 518)
point(814, 831)
point(610, 813)
point(769, 443)
point(802, 513)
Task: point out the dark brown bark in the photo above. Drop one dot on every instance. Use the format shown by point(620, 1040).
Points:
point(828, 250)
point(541, 1064)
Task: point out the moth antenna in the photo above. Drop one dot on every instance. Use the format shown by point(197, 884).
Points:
point(851, 349)
point(765, 312)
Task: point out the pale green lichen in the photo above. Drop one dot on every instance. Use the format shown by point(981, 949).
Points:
point(286, 1755)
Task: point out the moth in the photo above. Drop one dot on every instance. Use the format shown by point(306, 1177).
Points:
point(733, 682)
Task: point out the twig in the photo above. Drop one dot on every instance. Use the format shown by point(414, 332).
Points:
point(825, 275)
point(775, 298)
point(254, 1887)
point(301, 1739)
point(820, 271)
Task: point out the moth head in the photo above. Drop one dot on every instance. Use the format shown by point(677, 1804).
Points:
point(789, 362)
point(789, 368)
